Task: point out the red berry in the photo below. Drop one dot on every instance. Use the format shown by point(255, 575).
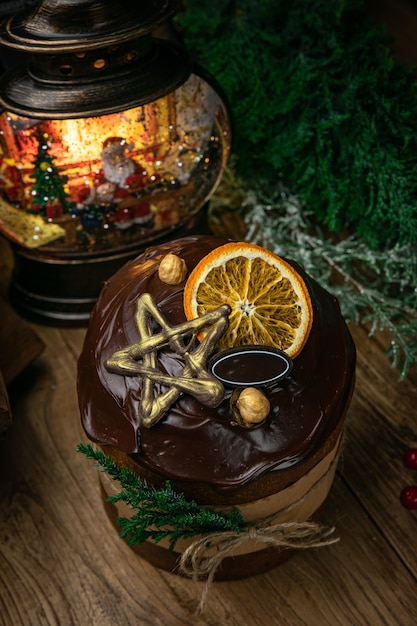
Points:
point(410, 458)
point(408, 497)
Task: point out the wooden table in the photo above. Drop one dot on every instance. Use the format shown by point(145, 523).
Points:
point(62, 563)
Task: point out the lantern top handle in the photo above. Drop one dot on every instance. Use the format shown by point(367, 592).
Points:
point(88, 58)
point(63, 25)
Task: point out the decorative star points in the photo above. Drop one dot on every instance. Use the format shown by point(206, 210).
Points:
point(141, 359)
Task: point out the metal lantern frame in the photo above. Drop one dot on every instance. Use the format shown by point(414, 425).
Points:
point(86, 59)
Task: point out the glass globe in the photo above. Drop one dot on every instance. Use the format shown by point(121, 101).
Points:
point(88, 186)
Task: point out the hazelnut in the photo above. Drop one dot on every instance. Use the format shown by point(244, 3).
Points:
point(172, 269)
point(250, 406)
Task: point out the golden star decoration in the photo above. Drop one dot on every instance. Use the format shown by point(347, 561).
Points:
point(141, 359)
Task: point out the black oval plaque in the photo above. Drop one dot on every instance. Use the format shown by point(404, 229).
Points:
point(250, 366)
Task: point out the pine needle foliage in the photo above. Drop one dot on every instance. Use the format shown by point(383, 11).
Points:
point(319, 104)
point(159, 513)
point(375, 288)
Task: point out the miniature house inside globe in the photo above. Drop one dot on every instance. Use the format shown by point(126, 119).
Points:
point(109, 140)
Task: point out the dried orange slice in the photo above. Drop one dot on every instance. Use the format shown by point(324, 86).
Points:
point(270, 303)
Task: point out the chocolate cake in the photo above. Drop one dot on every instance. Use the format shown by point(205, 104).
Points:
point(282, 467)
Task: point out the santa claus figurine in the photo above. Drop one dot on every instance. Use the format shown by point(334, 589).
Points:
point(117, 186)
point(123, 177)
point(118, 167)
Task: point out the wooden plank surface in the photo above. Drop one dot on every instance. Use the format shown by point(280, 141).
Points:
point(19, 346)
point(61, 561)
point(19, 343)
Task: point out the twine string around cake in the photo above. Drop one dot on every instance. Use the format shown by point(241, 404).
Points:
point(296, 535)
point(199, 562)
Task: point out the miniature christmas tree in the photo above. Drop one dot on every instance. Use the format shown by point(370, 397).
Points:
point(49, 197)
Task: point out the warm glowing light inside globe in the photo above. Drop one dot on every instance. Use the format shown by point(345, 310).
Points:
point(98, 182)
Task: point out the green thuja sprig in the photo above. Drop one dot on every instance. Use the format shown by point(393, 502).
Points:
point(159, 513)
point(377, 288)
point(317, 100)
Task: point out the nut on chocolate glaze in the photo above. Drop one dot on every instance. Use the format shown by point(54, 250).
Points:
point(194, 446)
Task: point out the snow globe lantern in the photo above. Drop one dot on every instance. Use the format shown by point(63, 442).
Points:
point(109, 140)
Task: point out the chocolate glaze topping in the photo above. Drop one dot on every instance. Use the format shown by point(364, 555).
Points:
point(193, 442)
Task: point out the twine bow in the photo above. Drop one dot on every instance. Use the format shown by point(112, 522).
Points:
point(197, 564)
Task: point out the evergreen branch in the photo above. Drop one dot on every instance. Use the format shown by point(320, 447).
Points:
point(159, 513)
point(317, 99)
point(373, 287)
point(319, 105)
